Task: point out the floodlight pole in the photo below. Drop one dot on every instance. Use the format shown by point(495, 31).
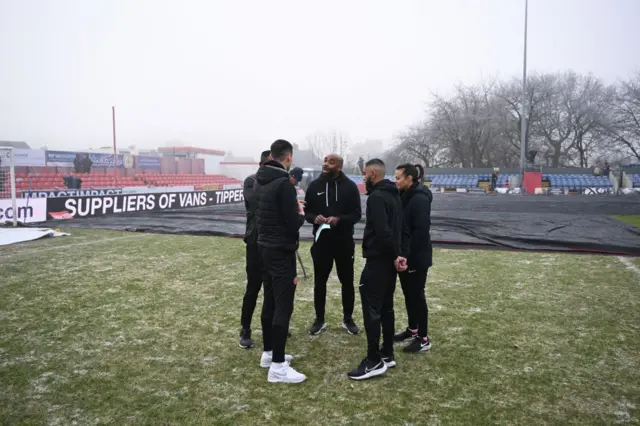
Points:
point(115, 152)
point(523, 118)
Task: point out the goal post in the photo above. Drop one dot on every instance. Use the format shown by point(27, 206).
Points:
point(8, 201)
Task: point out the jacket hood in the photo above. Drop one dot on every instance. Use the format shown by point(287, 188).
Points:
point(270, 171)
point(385, 185)
point(417, 189)
point(331, 181)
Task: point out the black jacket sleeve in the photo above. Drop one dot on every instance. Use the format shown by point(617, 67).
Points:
point(354, 208)
point(310, 208)
point(247, 190)
point(420, 214)
point(380, 219)
point(405, 245)
point(288, 205)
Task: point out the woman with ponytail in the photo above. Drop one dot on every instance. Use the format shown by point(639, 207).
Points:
point(416, 204)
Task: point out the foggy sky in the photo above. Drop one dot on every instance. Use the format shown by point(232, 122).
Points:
point(236, 75)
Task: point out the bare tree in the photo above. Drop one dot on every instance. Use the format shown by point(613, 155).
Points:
point(466, 123)
point(370, 148)
point(589, 110)
point(419, 144)
point(323, 143)
point(318, 145)
point(624, 126)
point(554, 121)
point(510, 116)
point(572, 119)
point(392, 159)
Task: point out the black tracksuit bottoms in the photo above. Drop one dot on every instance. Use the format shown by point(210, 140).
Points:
point(279, 290)
point(377, 285)
point(324, 252)
point(254, 283)
point(413, 286)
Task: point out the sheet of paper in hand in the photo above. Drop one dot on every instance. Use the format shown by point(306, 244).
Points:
point(322, 228)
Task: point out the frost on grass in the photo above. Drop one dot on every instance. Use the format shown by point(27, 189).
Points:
point(456, 403)
point(623, 414)
point(457, 284)
point(522, 295)
point(145, 331)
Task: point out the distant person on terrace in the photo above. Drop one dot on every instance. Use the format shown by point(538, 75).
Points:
point(86, 164)
point(494, 179)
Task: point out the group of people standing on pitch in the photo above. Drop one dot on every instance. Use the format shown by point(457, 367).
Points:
point(396, 241)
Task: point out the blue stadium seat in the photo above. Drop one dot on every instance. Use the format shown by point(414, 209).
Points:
point(454, 181)
point(579, 181)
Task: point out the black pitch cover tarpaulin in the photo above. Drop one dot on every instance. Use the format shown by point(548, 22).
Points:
point(548, 223)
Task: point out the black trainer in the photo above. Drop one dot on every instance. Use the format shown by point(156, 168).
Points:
point(389, 360)
point(245, 338)
point(418, 344)
point(317, 327)
point(350, 326)
point(404, 335)
point(368, 369)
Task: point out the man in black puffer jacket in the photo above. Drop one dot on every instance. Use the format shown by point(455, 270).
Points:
point(334, 200)
point(279, 218)
point(385, 245)
point(416, 203)
point(253, 262)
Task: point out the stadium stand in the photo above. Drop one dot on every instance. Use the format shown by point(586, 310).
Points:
point(564, 181)
point(54, 181)
point(579, 181)
point(570, 181)
point(503, 179)
point(359, 180)
point(197, 181)
point(44, 179)
point(453, 181)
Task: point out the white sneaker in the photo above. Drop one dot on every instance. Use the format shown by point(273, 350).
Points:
point(265, 360)
point(281, 372)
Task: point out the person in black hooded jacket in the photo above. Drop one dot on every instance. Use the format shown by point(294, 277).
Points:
point(333, 199)
point(385, 245)
point(253, 262)
point(416, 203)
point(279, 218)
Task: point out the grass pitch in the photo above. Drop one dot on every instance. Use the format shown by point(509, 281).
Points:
point(630, 219)
point(105, 327)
